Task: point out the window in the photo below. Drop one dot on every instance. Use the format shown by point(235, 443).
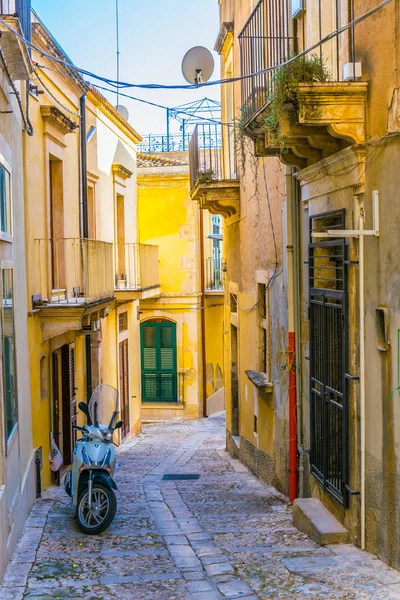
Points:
point(159, 362)
point(263, 327)
point(123, 321)
point(5, 201)
point(9, 362)
point(44, 378)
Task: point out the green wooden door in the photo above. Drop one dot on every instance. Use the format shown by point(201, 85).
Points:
point(159, 370)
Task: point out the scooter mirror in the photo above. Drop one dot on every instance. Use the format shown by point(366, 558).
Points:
point(118, 425)
point(84, 408)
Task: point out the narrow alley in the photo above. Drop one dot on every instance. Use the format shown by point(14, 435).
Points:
point(224, 535)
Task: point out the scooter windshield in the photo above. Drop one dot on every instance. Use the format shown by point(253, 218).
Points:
point(103, 406)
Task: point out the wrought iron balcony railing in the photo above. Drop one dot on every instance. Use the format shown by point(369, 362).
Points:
point(269, 37)
point(73, 270)
point(212, 154)
point(137, 267)
point(266, 40)
point(153, 144)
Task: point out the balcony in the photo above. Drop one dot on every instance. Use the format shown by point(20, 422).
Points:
point(16, 17)
point(72, 282)
point(137, 272)
point(214, 182)
point(73, 272)
point(320, 114)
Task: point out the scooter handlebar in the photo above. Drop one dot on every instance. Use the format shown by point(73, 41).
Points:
point(79, 428)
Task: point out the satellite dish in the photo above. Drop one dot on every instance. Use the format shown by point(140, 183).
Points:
point(197, 65)
point(123, 111)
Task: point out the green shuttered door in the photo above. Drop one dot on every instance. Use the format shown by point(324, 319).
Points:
point(159, 376)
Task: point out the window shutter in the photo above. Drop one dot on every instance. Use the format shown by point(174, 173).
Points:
point(159, 377)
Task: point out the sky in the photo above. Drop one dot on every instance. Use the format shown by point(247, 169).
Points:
point(154, 37)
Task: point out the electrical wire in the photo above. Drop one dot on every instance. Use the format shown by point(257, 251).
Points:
point(27, 124)
point(134, 98)
point(148, 86)
point(71, 112)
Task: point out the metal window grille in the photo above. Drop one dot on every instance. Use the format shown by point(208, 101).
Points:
point(328, 358)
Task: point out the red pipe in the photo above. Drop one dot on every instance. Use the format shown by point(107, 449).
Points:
point(292, 419)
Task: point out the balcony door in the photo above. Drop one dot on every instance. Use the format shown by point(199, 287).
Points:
point(57, 224)
point(121, 271)
point(124, 386)
point(159, 362)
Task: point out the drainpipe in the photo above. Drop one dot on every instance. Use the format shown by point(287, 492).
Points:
point(84, 170)
point(362, 372)
point(290, 199)
point(297, 273)
point(203, 315)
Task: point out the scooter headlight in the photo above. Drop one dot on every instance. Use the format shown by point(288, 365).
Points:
point(107, 436)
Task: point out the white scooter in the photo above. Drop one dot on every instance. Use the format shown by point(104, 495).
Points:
point(90, 482)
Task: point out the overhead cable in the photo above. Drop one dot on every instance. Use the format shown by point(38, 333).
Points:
point(122, 85)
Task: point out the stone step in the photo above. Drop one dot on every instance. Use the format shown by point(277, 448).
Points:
point(311, 517)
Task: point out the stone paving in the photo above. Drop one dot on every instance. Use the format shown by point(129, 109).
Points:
point(225, 535)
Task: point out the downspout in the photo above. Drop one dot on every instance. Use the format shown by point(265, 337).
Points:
point(296, 229)
point(84, 170)
point(291, 353)
point(203, 315)
point(362, 372)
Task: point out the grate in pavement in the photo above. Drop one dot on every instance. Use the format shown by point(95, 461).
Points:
point(180, 476)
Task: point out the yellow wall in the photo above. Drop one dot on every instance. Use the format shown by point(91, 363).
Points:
point(169, 219)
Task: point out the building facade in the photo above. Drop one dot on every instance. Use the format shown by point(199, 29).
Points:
point(17, 456)
point(83, 283)
point(325, 127)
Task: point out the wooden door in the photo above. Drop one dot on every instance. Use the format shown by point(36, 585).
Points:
point(124, 385)
point(56, 416)
point(68, 391)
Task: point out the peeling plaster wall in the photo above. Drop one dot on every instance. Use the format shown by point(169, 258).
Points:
point(249, 251)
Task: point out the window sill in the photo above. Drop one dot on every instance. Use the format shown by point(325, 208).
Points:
point(6, 237)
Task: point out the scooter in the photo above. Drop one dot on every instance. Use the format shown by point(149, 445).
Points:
point(90, 482)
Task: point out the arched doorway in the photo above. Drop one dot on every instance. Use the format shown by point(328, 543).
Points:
point(159, 362)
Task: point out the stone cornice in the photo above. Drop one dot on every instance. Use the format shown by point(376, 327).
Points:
point(122, 172)
point(55, 117)
point(226, 29)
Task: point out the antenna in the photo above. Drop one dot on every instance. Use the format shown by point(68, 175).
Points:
point(198, 65)
point(118, 53)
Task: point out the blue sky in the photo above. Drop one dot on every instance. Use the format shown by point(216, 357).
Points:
point(154, 36)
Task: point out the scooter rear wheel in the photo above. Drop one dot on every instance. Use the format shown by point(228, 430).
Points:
point(96, 519)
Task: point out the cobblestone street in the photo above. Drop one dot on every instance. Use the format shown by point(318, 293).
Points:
point(225, 535)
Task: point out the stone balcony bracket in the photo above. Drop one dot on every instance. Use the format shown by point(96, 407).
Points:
point(14, 50)
point(218, 197)
point(328, 118)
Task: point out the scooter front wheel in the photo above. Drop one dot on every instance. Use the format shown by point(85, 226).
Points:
point(96, 519)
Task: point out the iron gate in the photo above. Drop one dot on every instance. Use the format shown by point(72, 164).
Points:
point(328, 358)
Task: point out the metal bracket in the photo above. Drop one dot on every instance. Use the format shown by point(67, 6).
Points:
point(352, 377)
point(351, 492)
point(356, 232)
